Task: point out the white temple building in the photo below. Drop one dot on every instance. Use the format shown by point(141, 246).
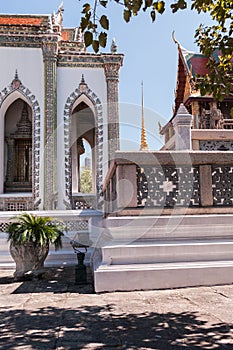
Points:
point(53, 96)
point(166, 216)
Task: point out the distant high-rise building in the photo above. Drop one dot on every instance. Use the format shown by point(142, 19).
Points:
point(87, 162)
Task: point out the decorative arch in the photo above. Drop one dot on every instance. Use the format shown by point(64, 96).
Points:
point(22, 91)
point(83, 92)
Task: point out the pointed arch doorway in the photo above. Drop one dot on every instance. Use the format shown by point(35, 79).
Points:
point(83, 130)
point(83, 120)
point(18, 148)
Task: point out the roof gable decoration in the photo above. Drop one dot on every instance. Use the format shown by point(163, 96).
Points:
point(190, 65)
point(57, 18)
point(194, 63)
point(182, 111)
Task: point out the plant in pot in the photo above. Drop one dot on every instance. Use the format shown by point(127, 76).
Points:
point(30, 236)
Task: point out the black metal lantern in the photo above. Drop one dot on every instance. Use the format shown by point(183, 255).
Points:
point(80, 268)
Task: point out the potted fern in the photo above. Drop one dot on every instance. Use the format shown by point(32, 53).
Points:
point(30, 236)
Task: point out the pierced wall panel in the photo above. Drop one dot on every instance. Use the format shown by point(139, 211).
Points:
point(168, 186)
point(212, 145)
point(77, 225)
point(80, 202)
point(4, 226)
point(16, 204)
point(222, 184)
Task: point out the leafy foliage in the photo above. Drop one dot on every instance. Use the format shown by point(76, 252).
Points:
point(35, 229)
point(90, 22)
point(209, 39)
point(216, 41)
point(86, 180)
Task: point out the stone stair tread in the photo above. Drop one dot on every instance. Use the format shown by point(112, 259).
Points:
point(168, 265)
point(165, 243)
point(7, 266)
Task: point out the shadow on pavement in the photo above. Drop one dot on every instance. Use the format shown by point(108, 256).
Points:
point(92, 327)
point(54, 280)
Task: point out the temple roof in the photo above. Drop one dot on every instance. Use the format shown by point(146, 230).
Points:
point(14, 24)
point(195, 62)
point(190, 64)
point(25, 20)
point(32, 24)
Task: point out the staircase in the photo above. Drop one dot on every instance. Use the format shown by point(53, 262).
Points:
point(139, 253)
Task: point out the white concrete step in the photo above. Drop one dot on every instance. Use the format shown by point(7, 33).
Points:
point(6, 260)
point(129, 229)
point(65, 257)
point(138, 253)
point(168, 251)
point(162, 276)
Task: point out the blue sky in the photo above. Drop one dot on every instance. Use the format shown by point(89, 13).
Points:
point(150, 55)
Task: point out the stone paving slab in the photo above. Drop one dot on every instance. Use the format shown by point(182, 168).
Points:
point(54, 313)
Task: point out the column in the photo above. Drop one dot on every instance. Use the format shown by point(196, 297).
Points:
point(182, 124)
point(196, 114)
point(50, 123)
point(10, 161)
point(126, 186)
point(75, 168)
point(111, 69)
point(206, 187)
point(2, 155)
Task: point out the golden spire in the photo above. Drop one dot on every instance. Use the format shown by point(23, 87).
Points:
point(144, 145)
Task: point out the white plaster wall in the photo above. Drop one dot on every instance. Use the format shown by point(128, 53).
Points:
point(29, 64)
point(68, 79)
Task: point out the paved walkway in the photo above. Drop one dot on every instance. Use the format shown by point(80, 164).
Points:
point(54, 313)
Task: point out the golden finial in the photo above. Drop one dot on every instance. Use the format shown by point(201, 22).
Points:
point(144, 145)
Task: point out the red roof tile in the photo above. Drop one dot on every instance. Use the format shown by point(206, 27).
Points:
point(65, 36)
point(35, 21)
point(199, 65)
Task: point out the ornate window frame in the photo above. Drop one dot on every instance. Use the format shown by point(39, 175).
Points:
point(17, 86)
point(83, 90)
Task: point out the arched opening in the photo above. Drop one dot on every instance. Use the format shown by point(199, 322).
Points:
point(86, 173)
point(18, 148)
point(83, 145)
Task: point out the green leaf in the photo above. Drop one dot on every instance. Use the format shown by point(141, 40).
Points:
point(95, 45)
point(86, 8)
point(30, 228)
point(103, 39)
point(103, 3)
point(84, 23)
point(136, 6)
point(86, 180)
point(148, 3)
point(161, 7)
point(127, 15)
point(153, 15)
point(104, 22)
point(88, 38)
